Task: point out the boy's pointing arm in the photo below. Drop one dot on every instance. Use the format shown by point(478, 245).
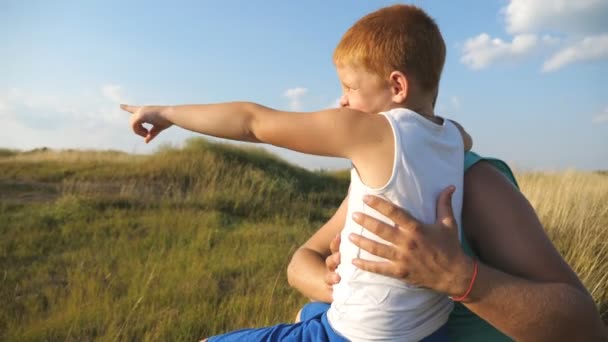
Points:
point(333, 132)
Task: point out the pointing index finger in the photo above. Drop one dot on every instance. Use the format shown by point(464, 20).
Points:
point(129, 108)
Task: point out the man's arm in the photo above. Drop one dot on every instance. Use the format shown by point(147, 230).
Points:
point(466, 138)
point(524, 287)
point(307, 270)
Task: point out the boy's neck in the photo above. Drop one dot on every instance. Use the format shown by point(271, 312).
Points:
point(421, 102)
point(424, 110)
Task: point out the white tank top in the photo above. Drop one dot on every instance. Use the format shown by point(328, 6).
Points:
point(372, 307)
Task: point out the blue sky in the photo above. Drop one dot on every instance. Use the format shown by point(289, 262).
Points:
point(527, 78)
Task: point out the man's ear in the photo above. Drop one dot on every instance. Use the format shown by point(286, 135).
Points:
point(399, 86)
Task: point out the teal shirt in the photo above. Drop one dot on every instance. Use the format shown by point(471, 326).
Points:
point(464, 325)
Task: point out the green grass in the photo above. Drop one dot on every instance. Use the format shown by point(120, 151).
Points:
point(5, 152)
point(191, 242)
point(87, 270)
point(174, 246)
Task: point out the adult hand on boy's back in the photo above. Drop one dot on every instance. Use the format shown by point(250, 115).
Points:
point(425, 255)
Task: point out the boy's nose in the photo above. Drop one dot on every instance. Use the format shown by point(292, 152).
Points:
point(343, 101)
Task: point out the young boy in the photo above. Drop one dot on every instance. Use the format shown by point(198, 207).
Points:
point(390, 63)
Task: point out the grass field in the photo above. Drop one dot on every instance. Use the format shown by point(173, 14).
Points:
point(194, 241)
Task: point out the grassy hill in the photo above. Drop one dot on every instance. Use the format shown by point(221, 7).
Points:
point(194, 241)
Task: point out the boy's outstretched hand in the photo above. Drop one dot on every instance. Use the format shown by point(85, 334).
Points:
point(153, 115)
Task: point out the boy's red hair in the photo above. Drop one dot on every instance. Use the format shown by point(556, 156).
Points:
point(399, 37)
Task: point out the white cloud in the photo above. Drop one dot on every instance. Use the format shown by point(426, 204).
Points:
point(295, 97)
point(535, 26)
point(589, 48)
point(568, 16)
point(29, 107)
point(482, 51)
point(113, 92)
point(548, 40)
point(601, 118)
point(455, 101)
point(67, 135)
point(86, 120)
point(16, 96)
point(448, 105)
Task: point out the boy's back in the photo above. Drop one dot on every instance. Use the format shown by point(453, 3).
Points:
point(368, 306)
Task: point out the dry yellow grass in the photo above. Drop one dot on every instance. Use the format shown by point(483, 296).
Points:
point(573, 207)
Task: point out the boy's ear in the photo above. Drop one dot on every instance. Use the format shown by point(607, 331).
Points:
point(399, 86)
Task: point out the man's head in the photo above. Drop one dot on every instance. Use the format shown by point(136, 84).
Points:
point(402, 47)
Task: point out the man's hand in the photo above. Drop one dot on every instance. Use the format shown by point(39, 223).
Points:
point(425, 255)
point(153, 115)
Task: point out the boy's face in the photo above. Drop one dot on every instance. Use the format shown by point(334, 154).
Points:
point(363, 90)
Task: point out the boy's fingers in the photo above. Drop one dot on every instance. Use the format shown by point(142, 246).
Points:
point(138, 127)
point(332, 278)
point(334, 246)
point(128, 108)
point(332, 262)
point(154, 131)
point(140, 130)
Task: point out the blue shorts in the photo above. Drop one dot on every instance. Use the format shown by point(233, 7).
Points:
point(313, 326)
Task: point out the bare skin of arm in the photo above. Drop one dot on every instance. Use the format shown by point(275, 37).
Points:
point(529, 292)
point(365, 139)
point(308, 271)
point(523, 288)
point(466, 138)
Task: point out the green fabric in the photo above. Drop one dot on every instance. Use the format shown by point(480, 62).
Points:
point(463, 325)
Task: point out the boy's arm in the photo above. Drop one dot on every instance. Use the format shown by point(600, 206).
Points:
point(466, 138)
point(307, 270)
point(335, 132)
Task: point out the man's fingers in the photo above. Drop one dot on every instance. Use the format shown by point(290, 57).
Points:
point(395, 213)
point(374, 247)
point(383, 230)
point(445, 214)
point(380, 267)
point(129, 108)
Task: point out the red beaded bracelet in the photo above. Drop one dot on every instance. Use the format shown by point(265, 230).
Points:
point(466, 294)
